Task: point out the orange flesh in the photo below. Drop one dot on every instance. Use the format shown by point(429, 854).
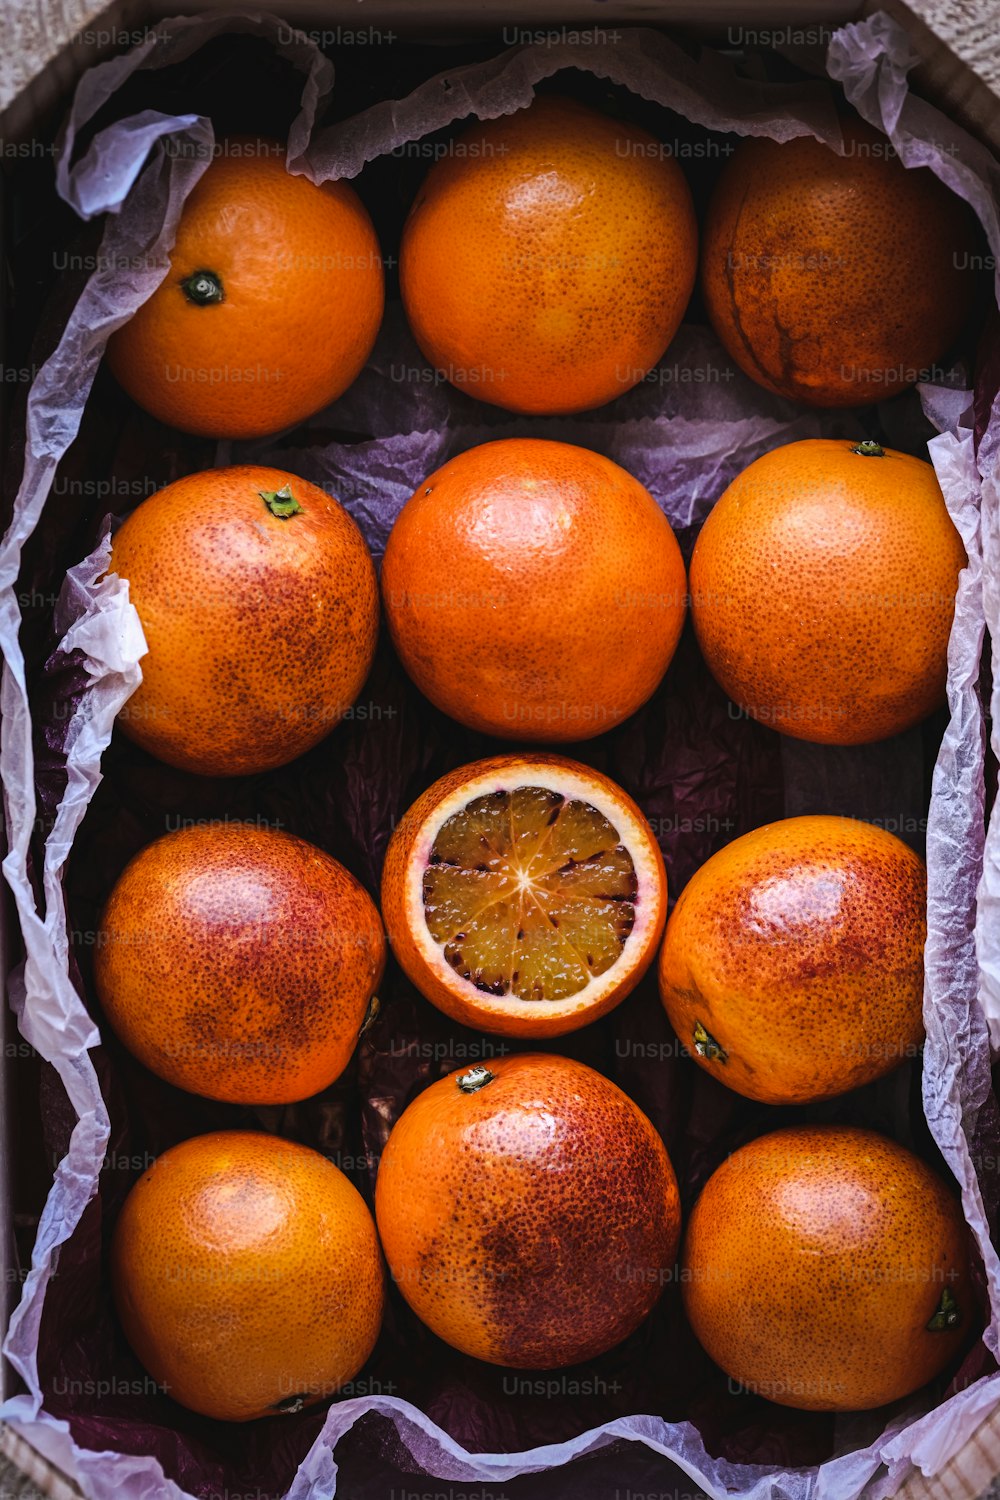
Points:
point(529, 893)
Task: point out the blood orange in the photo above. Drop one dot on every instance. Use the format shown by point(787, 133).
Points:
point(239, 962)
point(270, 307)
point(259, 603)
point(247, 1275)
point(825, 1268)
point(524, 894)
point(547, 262)
point(534, 590)
point(823, 590)
point(547, 1216)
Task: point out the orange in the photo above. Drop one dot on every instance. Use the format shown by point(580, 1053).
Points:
point(259, 603)
point(548, 259)
point(547, 1216)
point(269, 309)
point(534, 590)
point(238, 962)
point(832, 279)
point(823, 589)
point(792, 968)
point(824, 1267)
point(247, 1275)
point(524, 895)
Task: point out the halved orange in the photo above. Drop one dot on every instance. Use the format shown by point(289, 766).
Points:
point(524, 895)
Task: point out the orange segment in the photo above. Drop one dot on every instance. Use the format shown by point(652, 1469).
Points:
point(548, 967)
point(578, 835)
point(484, 955)
point(596, 930)
point(533, 812)
point(455, 897)
point(474, 841)
point(607, 875)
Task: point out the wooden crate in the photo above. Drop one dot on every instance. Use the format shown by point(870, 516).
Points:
point(45, 45)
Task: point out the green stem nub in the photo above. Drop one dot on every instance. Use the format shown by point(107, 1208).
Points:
point(475, 1079)
point(281, 503)
point(948, 1314)
point(869, 449)
point(707, 1047)
point(203, 288)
